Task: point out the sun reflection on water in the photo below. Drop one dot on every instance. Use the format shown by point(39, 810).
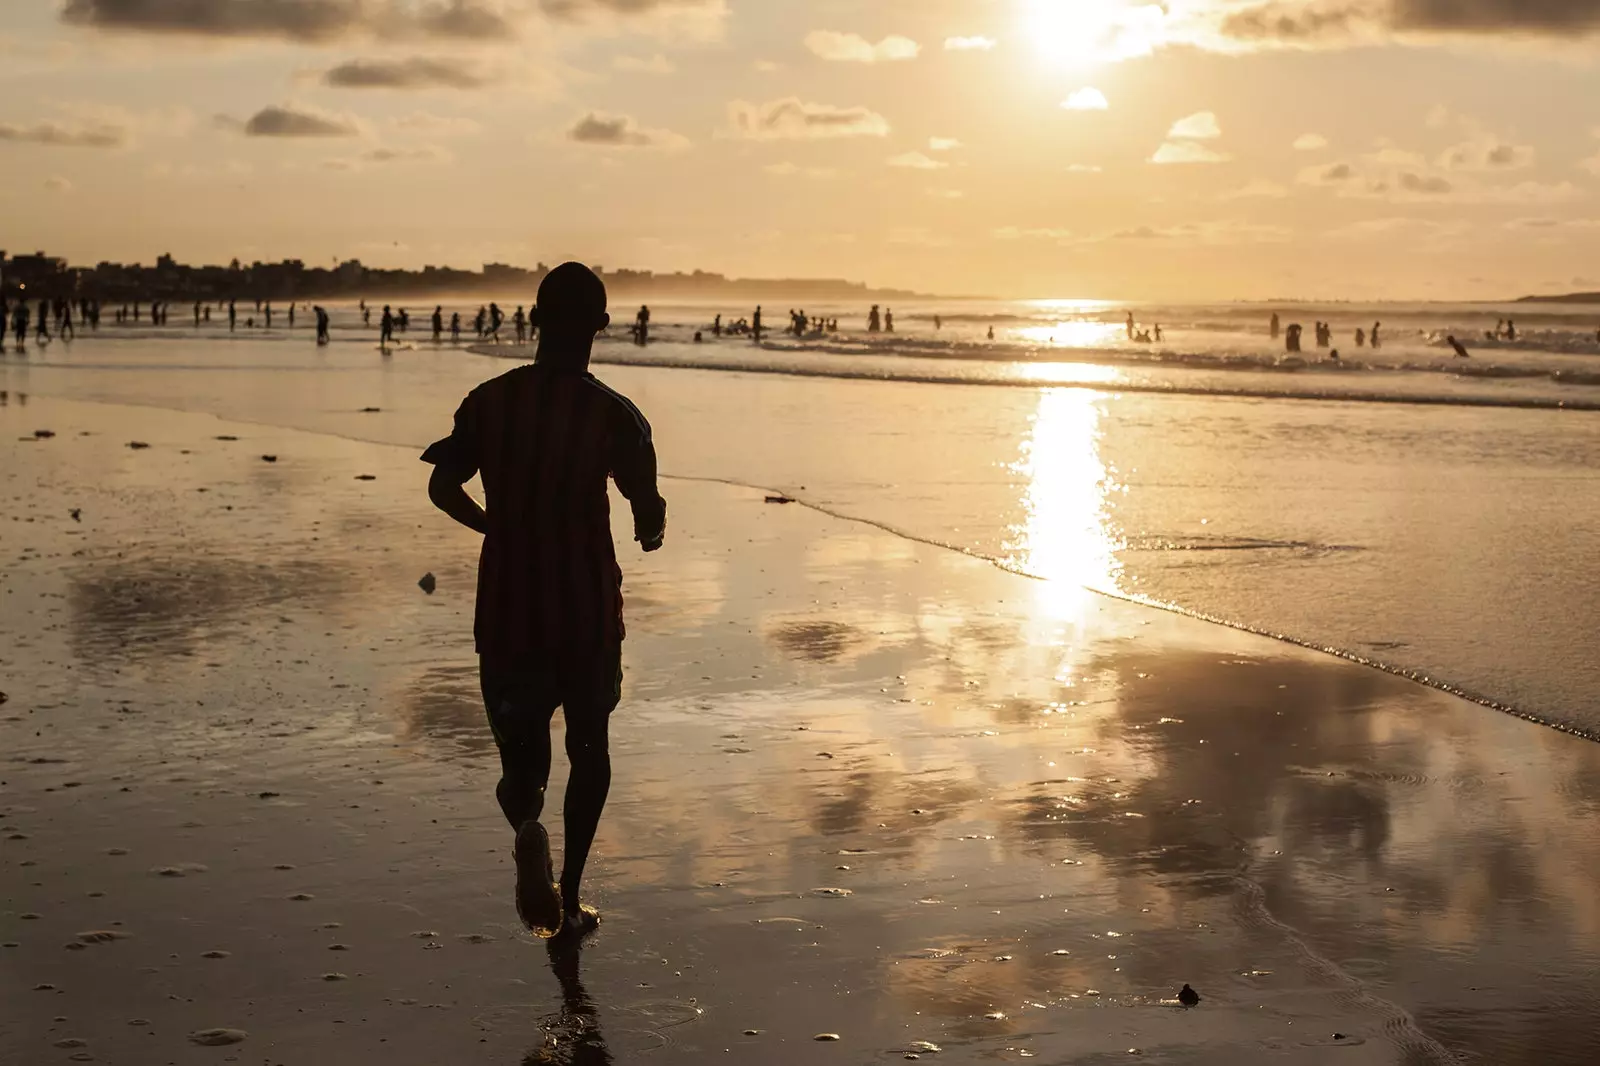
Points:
point(1073, 333)
point(1068, 537)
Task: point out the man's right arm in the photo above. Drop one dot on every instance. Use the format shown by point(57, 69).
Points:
point(455, 461)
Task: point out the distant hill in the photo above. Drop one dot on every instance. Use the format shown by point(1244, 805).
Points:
point(1567, 298)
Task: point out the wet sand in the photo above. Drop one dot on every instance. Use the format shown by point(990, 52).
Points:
point(864, 787)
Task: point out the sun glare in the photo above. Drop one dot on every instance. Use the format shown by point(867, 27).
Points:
point(1079, 34)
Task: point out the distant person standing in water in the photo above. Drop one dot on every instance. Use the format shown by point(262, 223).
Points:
point(546, 439)
point(755, 325)
point(197, 314)
point(1276, 326)
point(385, 328)
point(1361, 337)
point(520, 322)
point(1292, 338)
point(938, 323)
point(1511, 330)
point(716, 326)
point(641, 326)
point(496, 318)
point(455, 327)
point(873, 321)
point(19, 324)
point(366, 315)
point(1372, 338)
point(233, 316)
point(888, 321)
point(268, 312)
point(42, 332)
point(1129, 326)
point(438, 323)
point(991, 333)
point(291, 314)
point(322, 326)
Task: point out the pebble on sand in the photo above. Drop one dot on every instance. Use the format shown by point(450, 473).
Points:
point(269, 458)
point(137, 444)
point(366, 477)
point(428, 583)
point(216, 1037)
point(826, 1036)
point(335, 977)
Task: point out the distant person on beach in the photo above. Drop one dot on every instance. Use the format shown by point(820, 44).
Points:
point(520, 322)
point(938, 323)
point(1158, 332)
point(888, 321)
point(716, 326)
point(19, 324)
point(479, 320)
point(497, 317)
point(874, 323)
point(366, 315)
point(755, 324)
point(42, 332)
point(641, 326)
point(1372, 338)
point(438, 323)
point(455, 327)
point(322, 326)
point(268, 313)
point(1276, 326)
point(1361, 337)
point(546, 438)
point(233, 316)
point(1511, 330)
point(197, 314)
point(1129, 326)
point(1291, 340)
point(291, 314)
point(991, 333)
point(386, 328)
point(1461, 351)
point(402, 321)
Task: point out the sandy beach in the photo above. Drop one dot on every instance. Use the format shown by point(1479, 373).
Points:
point(864, 787)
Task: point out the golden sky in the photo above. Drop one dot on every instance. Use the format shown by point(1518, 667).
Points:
point(1192, 149)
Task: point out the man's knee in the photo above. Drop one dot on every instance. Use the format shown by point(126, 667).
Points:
point(588, 739)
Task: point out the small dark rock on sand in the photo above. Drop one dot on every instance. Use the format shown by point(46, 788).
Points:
point(269, 458)
point(137, 444)
point(76, 513)
point(227, 436)
point(780, 499)
point(366, 477)
point(216, 1037)
point(43, 434)
point(428, 583)
point(1188, 996)
point(370, 410)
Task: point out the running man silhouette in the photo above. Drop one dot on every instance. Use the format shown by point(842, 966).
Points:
point(546, 437)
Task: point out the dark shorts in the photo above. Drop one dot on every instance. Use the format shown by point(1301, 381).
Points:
point(524, 694)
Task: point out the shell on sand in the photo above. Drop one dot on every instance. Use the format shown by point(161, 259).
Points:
point(216, 1037)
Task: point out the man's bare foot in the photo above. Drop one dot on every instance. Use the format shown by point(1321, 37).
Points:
point(574, 927)
point(538, 902)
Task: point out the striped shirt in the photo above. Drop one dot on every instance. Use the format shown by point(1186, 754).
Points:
point(545, 439)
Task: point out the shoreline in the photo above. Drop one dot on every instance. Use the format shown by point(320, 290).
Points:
point(864, 786)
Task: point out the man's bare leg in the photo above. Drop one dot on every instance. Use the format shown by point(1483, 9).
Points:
point(589, 749)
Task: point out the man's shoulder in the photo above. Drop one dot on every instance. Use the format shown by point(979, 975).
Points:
point(623, 406)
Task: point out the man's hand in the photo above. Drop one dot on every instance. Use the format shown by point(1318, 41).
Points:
point(650, 538)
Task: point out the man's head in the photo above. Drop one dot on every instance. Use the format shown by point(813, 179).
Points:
point(572, 303)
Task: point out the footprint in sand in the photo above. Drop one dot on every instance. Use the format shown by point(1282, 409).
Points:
point(102, 936)
point(215, 954)
point(182, 869)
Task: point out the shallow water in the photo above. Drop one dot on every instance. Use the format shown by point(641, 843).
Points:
point(1450, 538)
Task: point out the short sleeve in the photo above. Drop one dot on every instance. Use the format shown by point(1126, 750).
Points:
point(458, 452)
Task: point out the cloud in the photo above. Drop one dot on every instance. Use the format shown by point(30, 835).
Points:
point(969, 44)
point(57, 185)
point(425, 154)
point(1180, 152)
point(1200, 126)
point(1424, 185)
point(1015, 233)
point(943, 144)
point(1211, 234)
point(792, 119)
point(1083, 168)
point(656, 64)
point(1319, 23)
point(303, 21)
point(853, 48)
point(1333, 174)
point(698, 19)
point(416, 72)
point(1310, 142)
point(1087, 98)
point(1405, 177)
point(91, 134)
point(292, 121)
point(621, 131)
point(916, 161)
point(1487, 154)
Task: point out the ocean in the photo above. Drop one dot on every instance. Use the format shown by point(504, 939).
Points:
point(1434, 516)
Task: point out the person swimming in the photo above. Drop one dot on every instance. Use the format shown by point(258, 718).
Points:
point(1461, 351)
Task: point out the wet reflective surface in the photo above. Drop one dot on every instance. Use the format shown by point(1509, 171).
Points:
point(863, 786)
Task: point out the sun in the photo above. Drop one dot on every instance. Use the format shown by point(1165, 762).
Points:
point(1081, 34)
